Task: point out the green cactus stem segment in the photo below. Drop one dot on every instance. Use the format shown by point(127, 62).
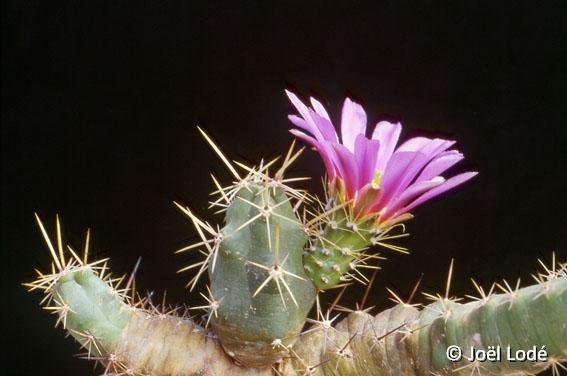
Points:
point(531, 316)
point(135, 341)
point(332, 257)
point(263, 293)
point(407, 342)
point(94, 314)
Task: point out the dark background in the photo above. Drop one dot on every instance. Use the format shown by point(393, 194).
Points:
point(100, 103)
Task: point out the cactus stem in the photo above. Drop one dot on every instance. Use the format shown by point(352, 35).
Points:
point(255, 205)
point(407, 329)
point(339, 242)
point(276, 272)
point(258, 204)
point(73, 284)
point(126, 334)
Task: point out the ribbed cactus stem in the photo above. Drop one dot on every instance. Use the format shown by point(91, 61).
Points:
point(145, 339)
point(128, 336)
point(258, 279)
point(518, 320)
point(405, 341)
point(135, 341)
point(91, 310)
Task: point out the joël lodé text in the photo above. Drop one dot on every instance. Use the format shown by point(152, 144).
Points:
point(497, 354)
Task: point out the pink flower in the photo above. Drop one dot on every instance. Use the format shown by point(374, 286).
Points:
point(378, 178)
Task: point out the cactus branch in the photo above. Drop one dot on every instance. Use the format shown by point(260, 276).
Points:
point(406, 341)
point(127, 336)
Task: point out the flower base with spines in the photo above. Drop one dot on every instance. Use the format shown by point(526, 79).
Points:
point(337, 251)
point(331, 258)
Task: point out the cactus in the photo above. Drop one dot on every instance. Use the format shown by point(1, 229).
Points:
point(127, 335)
point(264, 294)
point(338, 251)
point(133, 336)
point(406, 341)
point(278, 248)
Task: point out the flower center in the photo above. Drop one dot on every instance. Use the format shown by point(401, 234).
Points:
point(377, 179)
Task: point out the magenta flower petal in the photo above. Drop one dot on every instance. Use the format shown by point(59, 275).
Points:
point(440, 164)
point(325, 127)
point(353, 123)
point(299, 122)
point(414, 144)
point(347, 168)
point(436, 147)
point(410, 193)
point(319, 109)
point(449, 184)
point(383, 181)
point(325, 151)
point(428, 150)
point(387, 134)
point(304, 112)
point(430, 147)
point(304, 137)
point(365, 154)
point(398, 167)
point(311, 121)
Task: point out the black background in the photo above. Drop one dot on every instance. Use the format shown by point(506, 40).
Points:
point(100, 103)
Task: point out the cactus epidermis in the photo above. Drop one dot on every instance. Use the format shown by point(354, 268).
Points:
point(259, 293)
point(258, 279)
point(127, 335)
point(144, 339)
point(337, 251)
point(404, 340)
